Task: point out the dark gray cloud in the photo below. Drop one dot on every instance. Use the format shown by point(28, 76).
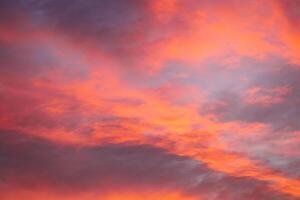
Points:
point(31, 162)
point(104, 25)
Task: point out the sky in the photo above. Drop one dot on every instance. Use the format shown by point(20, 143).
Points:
point(149, 99)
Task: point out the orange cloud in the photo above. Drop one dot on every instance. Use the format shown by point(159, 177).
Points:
point(89, 93)
point(126, 195)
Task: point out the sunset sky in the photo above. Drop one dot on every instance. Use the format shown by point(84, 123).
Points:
point(149, 100)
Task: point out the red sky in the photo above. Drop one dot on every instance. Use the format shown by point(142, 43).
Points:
point(153, 100)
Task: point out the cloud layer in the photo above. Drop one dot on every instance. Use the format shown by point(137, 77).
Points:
point(164, 99)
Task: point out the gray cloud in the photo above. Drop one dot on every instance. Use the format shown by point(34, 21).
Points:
point(30, 162)
point(281, 116)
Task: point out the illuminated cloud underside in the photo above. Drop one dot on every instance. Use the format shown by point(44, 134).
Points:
point(160, 100)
